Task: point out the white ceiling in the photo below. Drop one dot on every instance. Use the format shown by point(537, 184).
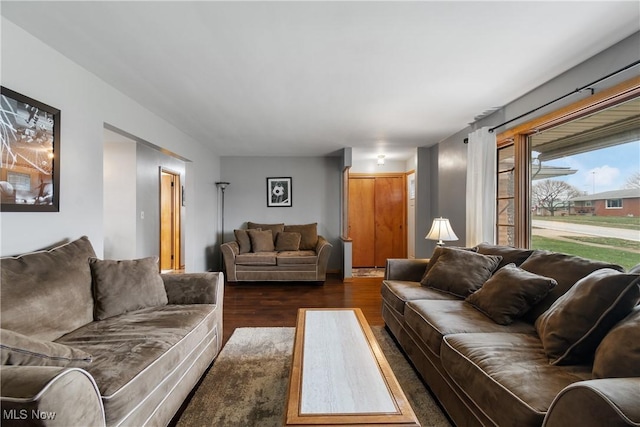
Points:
point(309, 78)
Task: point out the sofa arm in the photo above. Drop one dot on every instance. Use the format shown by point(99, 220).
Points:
point(229, 252)
point(323, 251)
point(49, 396)
point(405, 269)
point(603, 402)
point(194, 288)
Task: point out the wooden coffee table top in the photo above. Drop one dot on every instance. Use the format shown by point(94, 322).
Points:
point(339, 375)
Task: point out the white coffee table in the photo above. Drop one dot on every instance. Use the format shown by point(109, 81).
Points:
point(339, 375)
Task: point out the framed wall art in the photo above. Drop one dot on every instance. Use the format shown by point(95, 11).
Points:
point(30, 154)
point(279, 192)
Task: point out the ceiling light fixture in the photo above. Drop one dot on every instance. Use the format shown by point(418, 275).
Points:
point(381, 160)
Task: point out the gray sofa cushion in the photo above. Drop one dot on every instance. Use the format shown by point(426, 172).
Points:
point(509, 255)
point(507, 375)
point(128, 285)
point(45, 295)
point(574, 325)
point(510, 293)
point(133, 351)
point(432, 320)
point(566, 269)
point(18, 349)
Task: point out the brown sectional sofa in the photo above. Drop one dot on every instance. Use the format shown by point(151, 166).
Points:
point(88, 342)
point(277, 252)
point(486, 373)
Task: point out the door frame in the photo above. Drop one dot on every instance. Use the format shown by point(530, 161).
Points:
point(176, 221)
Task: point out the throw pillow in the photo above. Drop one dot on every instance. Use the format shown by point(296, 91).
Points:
point(244, 242)
point(510, 293)
point(618, 355)
point(261, 240)
point(308, 235)
point(574, 325)
point(123, 286)
point(461, 272)
point(436, 254)
point(275, 228)
point(509, 255)
point(566, 269)
point(18, 349)
point(287, 241)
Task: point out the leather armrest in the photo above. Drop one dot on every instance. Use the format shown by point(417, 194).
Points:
point(603, 402)
point(405, 269)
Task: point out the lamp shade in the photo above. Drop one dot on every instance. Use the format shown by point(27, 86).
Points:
point(441, 230)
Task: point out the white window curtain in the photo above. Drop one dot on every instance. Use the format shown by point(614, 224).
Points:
point(481, 187)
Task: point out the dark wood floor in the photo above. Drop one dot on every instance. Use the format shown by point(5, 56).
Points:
point(277, 304)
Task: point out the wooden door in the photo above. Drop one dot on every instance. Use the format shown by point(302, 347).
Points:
point(362, 221)
point(389, 219)
point(377, 219)
point(169, 221)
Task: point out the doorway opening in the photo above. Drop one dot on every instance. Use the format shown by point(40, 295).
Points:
point(170, 204)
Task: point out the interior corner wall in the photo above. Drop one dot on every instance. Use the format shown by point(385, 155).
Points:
point(316, 195)
point(87, 103)
point(119, 199)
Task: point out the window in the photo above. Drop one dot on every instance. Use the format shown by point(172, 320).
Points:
point(614, 203)
point(563, 177)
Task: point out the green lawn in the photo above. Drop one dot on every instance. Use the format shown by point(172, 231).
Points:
point(617, 256)
point(608, 241)
point(631, 223)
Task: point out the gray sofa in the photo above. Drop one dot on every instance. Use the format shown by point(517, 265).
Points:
point(89, 342)
point(277, 252)
point(565, 351)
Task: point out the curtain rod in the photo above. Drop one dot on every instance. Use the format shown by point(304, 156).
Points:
point(580, 89)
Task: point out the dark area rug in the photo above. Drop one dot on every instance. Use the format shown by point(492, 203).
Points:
point(247, 384)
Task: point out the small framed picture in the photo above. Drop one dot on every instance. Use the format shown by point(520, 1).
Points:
point(279, 192)
point(30, 169)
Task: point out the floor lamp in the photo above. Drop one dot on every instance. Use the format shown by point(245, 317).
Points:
point(222, 186)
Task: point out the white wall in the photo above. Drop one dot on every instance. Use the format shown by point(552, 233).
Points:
point(32, 68)
point(316, 195)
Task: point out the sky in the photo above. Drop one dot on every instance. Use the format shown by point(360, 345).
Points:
point(602, 170)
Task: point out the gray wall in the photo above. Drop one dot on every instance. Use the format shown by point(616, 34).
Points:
point(316, 195)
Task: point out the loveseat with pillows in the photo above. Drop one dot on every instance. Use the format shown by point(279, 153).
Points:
point(277, 252)
point(90, 342)
point(515, 337)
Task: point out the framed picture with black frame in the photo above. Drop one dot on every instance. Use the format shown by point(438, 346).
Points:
point(279, 192)
point(30, 151)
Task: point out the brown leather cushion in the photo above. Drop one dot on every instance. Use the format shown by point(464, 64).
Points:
point(308, 235)
point(509, 255)
point(123, 286)
point(510, 293)
point(288, 241)
point(436, 254)
point(566, 269)
point(574, 325)
point(618, 355)
point(460, 272)
point(261, 240)
point(18, 349)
